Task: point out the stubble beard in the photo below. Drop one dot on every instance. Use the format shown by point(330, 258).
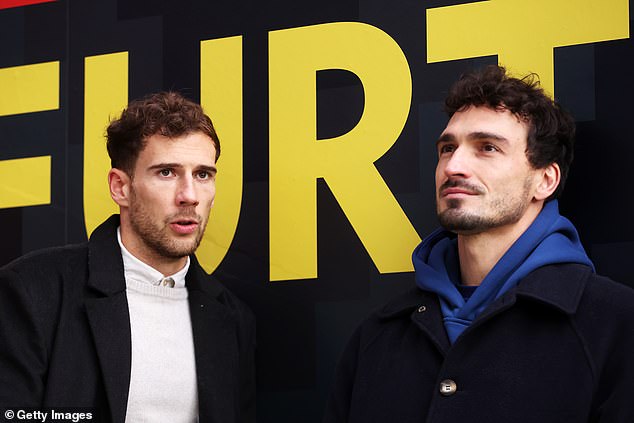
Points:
point(503, 211)
point(156, 235)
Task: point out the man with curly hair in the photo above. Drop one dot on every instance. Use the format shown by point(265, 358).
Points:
point(508, 321)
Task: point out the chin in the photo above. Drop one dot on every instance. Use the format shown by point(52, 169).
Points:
point(460, 222)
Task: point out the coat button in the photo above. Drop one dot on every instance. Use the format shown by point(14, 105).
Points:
point(422, 309)
point(448, 387)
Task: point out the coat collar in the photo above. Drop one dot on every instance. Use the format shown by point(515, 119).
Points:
point(559, 286)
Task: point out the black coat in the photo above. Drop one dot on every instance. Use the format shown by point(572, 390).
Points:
point(65, 334)
point(558, 348)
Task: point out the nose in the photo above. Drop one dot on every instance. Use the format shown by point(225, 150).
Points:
point(187, 195)
point(457, 164)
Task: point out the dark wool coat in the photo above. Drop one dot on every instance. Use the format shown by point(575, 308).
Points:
point(558, 348)
point(65, 335)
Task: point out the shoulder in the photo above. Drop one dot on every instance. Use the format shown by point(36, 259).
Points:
point(594, 302)
point(605, 288)
point(394, 316)
point(604, 318)
point(605, 297)
point(48, 263)
point(38, 286)
point(605, 323)
point(44, 278)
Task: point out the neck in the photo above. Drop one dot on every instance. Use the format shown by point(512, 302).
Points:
point(166, 265)
point(479, 252)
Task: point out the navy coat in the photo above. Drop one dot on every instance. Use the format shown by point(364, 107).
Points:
point(65, 335)
point(558, 348)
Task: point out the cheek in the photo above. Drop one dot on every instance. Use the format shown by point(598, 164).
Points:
point(160, 199)
point(207, 195)
point(439, 176)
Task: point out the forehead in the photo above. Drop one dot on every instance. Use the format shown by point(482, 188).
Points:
point(191, 147)
point(483, 120)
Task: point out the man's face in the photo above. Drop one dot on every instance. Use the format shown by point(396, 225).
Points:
point(171, 194)
point(483, 177)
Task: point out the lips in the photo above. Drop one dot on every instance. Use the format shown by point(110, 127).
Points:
point(184, 226)
point(456, 191)
point(459, 187)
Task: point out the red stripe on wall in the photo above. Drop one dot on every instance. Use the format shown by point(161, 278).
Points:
point(7, 4)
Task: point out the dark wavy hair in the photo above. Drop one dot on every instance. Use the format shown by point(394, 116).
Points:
point(551, 129)
point(164, 113)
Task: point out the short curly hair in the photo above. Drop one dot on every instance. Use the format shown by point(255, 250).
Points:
point(166, 113)
point(551, 128)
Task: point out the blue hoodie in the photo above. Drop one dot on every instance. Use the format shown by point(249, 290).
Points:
point(550, 239)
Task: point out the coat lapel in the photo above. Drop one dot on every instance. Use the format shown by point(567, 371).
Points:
point(216, 348)
point(424, 310)
point(428, 317)
point(109, 317)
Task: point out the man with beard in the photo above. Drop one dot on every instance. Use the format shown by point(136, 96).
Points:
point(128, 326)
point(508, 321)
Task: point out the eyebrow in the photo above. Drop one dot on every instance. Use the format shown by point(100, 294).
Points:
point(475, 136)
point(211, 169)
point(446, 137)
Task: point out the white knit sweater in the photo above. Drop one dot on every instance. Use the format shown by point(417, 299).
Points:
point(163, 374)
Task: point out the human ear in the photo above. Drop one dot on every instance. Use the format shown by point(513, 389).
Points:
point(550, 177)
point(119, 184)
